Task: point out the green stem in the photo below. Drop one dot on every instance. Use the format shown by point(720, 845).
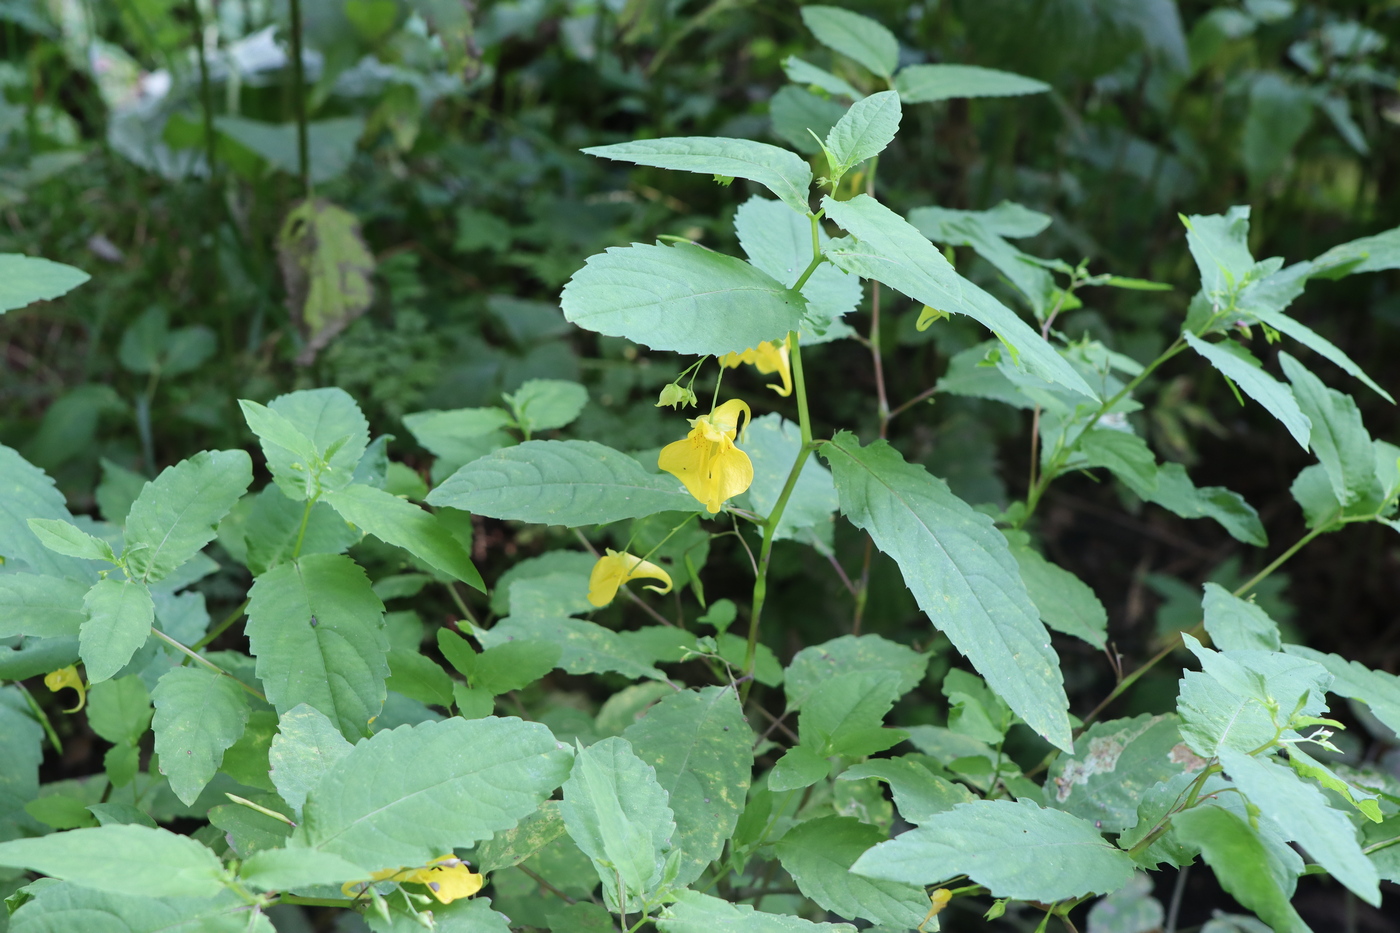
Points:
point(40, 715)
point(305, 519)
point(206, 89)
point(222, 627)
point(299, 100)
point(817, 260)
point(245, 802)
point(200, 659)
point(315, 901)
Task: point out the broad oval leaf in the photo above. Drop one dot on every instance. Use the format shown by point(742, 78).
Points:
point(121, 859)
point(410, 794)
point(819, 854)
point(892, 251)
point(27, 279)
point(1016, 850)
point(811, 667)
point(284, 869)
point(306, 746)
point(702, 750)
point(177, 513)
point(41, 606)
point(199, 714)
point(683, 298)
point(919, 84)
point(781, 172)
point(693, 912)
point(401, 523)
point(120, 613)
point(71, 908)
point(1114, 765)
point(569, 483)
point(855, 36)
point(962, 573)
point(863, 131)
point(317, 630)
point(27, 492)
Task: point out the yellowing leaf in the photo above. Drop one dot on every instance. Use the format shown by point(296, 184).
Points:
point(326, 268)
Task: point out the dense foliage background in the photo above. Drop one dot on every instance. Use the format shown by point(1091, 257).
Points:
point(451, 132)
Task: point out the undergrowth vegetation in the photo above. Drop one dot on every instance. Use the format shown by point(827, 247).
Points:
point(614, 466)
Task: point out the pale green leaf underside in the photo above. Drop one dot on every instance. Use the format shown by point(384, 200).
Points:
point(121, 859)
point(41, 606)
point(782, 172)
point(70, 908)
point(401, 523)
point(26, 279)
point(918, 84)
point(682, 298)
point(694, 912)
point(855, 36)
point(864, 131)
point(27, 492)
point(1236, 363)
point(569, 483)
point(961, 571)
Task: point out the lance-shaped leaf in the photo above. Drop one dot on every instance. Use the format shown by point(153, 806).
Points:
point(918, 84)
point(1239, 365)
point(65, 538)
point(962, 573)
point(1318, 344)
point(864, 131)
point(122, 859)
point(317, 630)
point(72, 908)
point(1016, 850)
point(306, 746)
point(855, 36)
point(682, 298)
point(120, 613)
point(819, 854)
point(40, 606)
point(410, 794)
point(27, 279)
point(781, 172)
point(1339, 439)
point(199, 714)
point(1066, 603)
point(693, 912)
point(401, 523)
point(1176, 493)
point(889, 249)
point(1243, 864)
point(178, 512)
point(569, 483)
point(1299, 812)
point(702, 750)
point(27, 492)
point(805, 73)
point(619, 816)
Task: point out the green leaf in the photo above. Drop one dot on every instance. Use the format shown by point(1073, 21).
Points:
point(585, 647)
point(1124, 454)
point(979, 229)
point(805, 73)
point(802, 766)
point(892, 251)
point(288, 869)
point(772, 443)
point(1320, 345)
point(270, 526)
point(693, 912)
point(27, 492)
point(812, 666)
point(401, 523)
point(529, 836)
point(778, 240)
point(702, 750)
point(120, 710)
point(21, 749)
point(918, 792)
point(1225, 705)
point(1114, 764)
point(461, 435)
point(331, 143)
point(1312, 490)
point(546, 404)
point(419, 678)
point(781, 172)
point(306, 746)
point(920, 84)
point(327, 268)
point(1235, 623)
point(26, 279)
point(846, 716)
point(855, 36)
point(619, 816)
point(1007, 219)
point(1240, 366)
point(1176, 493)
point(510, 666)
point(120, 613)
point(682, 298)
point(1352, 679)
point(199, 714)
point(1220, 245)
point(409, 794)
point(1130, 909)
point(1245, 867)
point(317, 630)
point(70, 908)
point(177, 513)
point(63, 537)
point(1016, 850)
point(40, 606)
point(1269, 677)
point(802, 119)
point(863, 132)
point(961, 571)
point(1309, 767)
point(1278, 116)
point(1368, 254)
point(299, 430)
point(1065, 602)
point(121, 859)
point(1339, 439)
point(819, 854)
point(569, 483)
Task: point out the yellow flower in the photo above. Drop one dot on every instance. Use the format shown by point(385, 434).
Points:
point(769, 357)
point(67, 677)
point(615, 569)
point(447, 877)
point(707, 461)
